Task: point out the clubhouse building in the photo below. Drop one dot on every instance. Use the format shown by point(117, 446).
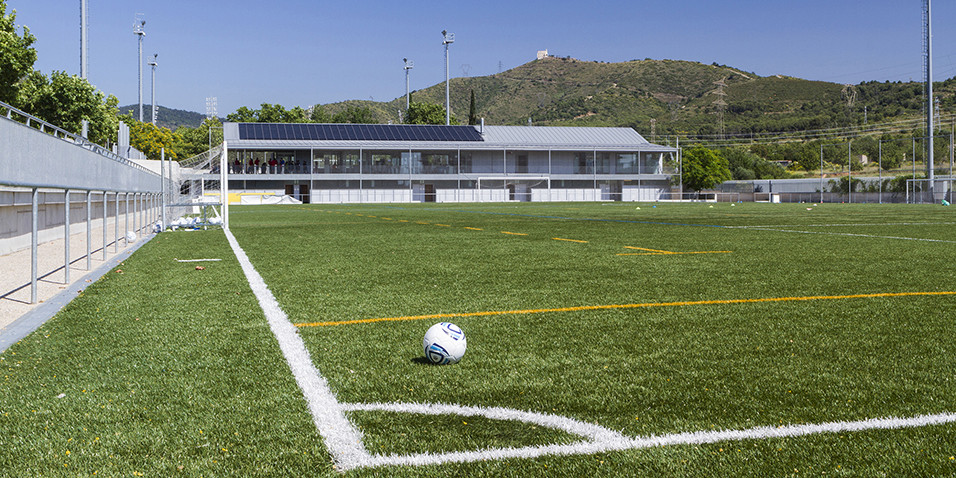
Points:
point(339, 163)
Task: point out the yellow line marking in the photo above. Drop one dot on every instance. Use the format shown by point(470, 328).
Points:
point(423, 223)
point(658, 252)
point(514, 233)
point(627, 306)
point(443, 225)
point(387, 218)
point(670, 253)
point(650, 250)
point(569, 240)
point(402, 220)
point(473, 228)
point(371, 216)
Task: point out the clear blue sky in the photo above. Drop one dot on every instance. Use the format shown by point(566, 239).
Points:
point(303, 52)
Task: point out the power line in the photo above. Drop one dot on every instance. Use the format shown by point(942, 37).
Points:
point(900, 126)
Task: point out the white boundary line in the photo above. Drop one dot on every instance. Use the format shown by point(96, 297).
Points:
point(344, 440)
point(871, 236)
point(849, 224)
point(605, 440)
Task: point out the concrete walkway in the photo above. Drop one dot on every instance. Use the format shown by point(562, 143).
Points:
point(53, 291)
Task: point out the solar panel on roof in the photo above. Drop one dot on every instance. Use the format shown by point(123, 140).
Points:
point(356, 132)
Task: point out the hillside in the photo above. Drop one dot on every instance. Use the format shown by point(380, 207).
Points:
point(166, 117)
point(678, 97)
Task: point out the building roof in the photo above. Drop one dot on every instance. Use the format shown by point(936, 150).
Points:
point(356, 132)
point(353, 136)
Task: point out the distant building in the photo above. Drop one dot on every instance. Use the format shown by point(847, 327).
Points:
point(542, 54)
point(337, 163)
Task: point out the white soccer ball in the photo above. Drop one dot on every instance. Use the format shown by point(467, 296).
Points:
point(444, 343)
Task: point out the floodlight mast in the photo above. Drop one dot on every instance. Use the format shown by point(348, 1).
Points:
point(408, 66)
point(152, 84)
point(929, 98)
point(448, 39)
point(84, 11)
point(138, 31)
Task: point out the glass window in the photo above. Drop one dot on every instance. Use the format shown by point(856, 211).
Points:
point(627, 163)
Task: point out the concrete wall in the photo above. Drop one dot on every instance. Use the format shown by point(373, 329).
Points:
point(31, 158)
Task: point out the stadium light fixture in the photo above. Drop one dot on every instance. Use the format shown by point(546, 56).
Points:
point(152, 84)
point(448, 39)
point(140, 33)
point(408, 66)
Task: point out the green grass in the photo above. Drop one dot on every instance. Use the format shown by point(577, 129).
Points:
point(168, 370)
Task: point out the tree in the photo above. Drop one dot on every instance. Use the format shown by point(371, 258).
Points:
point(741, 163)
point(243, 115)
point(66, 100)
point(269, 113)
point(472, 114)
point(16, 55)
point(703, 168)
point(354, 114)
point(893, 153)
point(272, 113)
point(192, 141)
point(426, 113)
point(842, 186)
point(319, 115)
point(151, 139)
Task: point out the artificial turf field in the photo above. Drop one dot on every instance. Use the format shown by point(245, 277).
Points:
point(646, 322)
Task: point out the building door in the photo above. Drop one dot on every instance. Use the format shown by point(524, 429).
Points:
point(430, 193)
point(304, 193)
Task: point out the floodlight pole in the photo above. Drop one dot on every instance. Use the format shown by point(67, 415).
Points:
point(880, 169)
point(680, 170)
point(929, 96)
point(408, 66)
point(162, 189)
point(849, 171)
point(448, 39)
point(821, 173)
point(138, 31)
point(84, 7)
point(152, 83)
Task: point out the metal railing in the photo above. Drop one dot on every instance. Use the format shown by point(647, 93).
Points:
point(22, 117)
point(145, 201)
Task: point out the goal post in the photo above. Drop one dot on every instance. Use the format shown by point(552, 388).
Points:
point(513, 188)
point(197, 186)
point(224, 184)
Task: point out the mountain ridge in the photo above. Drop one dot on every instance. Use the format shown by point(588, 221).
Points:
point(665, 97)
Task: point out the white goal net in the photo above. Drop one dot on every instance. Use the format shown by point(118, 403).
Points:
point(193, 191)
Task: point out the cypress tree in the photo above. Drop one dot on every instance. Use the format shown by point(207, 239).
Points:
point(472, 115)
